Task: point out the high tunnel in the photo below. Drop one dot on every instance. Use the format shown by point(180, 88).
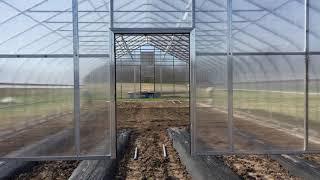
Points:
point(249, 70)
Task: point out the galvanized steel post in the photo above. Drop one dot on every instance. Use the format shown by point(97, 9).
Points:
point(230, 75)
point(76, 82)
point(306, 78)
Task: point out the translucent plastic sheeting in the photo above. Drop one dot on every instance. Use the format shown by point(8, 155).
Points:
point(211, 126)
point(266, 107)
point(95, 100)
point(94, 23)
point(268, 100)
point(30, 27)
point(314, 25)
point(211, 26)
point(269, 26)
point(314, 103)
point(152, 13)
point(36, 107)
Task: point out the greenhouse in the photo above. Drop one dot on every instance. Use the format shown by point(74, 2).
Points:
point(243, 76)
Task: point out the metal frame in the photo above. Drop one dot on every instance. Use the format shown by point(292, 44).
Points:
point(76, 67)
point(193, 92)
point(151, 30)
point(230, 75)
point(306, 80)
point(113, 113)
point(230, 54)
point(192, 54)
point(216, 43)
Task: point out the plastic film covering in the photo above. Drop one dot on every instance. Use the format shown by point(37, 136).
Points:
point(94, 78)
point(268, 101)
point(314, 102)
point(256, 72)
point(39, 58)
point(314, 77)
point(314, 15)
point(211, 108)
point(152, 14)
point(211, 126)
point(95, 100)
point(36, 111)
point(36, 27)
point(264, 107)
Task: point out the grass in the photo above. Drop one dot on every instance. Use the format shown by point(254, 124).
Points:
point(281, 106)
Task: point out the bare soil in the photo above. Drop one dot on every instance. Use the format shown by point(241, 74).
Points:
point(149, 121)
point(58, 170)
point(315, 158)
point(257, 167)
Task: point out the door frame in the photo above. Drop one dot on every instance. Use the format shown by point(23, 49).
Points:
point(112, 70)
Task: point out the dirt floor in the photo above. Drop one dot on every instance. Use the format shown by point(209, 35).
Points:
point(149, 121)
point(257, 167)
point(314, 158)
point(59, 170)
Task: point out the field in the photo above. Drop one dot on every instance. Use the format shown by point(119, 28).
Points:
point(31, 106)
point(263, 120)
point(149, 120)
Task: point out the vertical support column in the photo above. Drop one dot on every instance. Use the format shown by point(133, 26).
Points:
point(121, 80)
point(154, 70)
point(76, 83)
point(230, 75)
point(306, 78)
point(113, 92)
point(111, 13)
point(140, 73)
point(161, 79)
point(134, 78)
point(173, 76)
point(192, 91)
point(193, 13)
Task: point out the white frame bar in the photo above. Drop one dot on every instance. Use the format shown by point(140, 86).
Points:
point(76, 66)
point(150, 30)
point(306, 80)
point(230, 76)
point(193, 93)
point(112, 70)
point(51, 55)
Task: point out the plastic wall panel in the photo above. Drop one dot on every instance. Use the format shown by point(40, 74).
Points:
point(274, 26)
point(94, 23)
point(152, 14)
point(314, 103)
point(95, 106)
point(314, 25)
point(28, 27)
point(211, 26)
point(36, 107)
point(211, 128)
point(268, 101)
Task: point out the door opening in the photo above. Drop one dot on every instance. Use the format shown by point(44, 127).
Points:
point(152, 87)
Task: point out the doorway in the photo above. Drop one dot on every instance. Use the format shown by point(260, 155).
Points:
point(152, 73)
